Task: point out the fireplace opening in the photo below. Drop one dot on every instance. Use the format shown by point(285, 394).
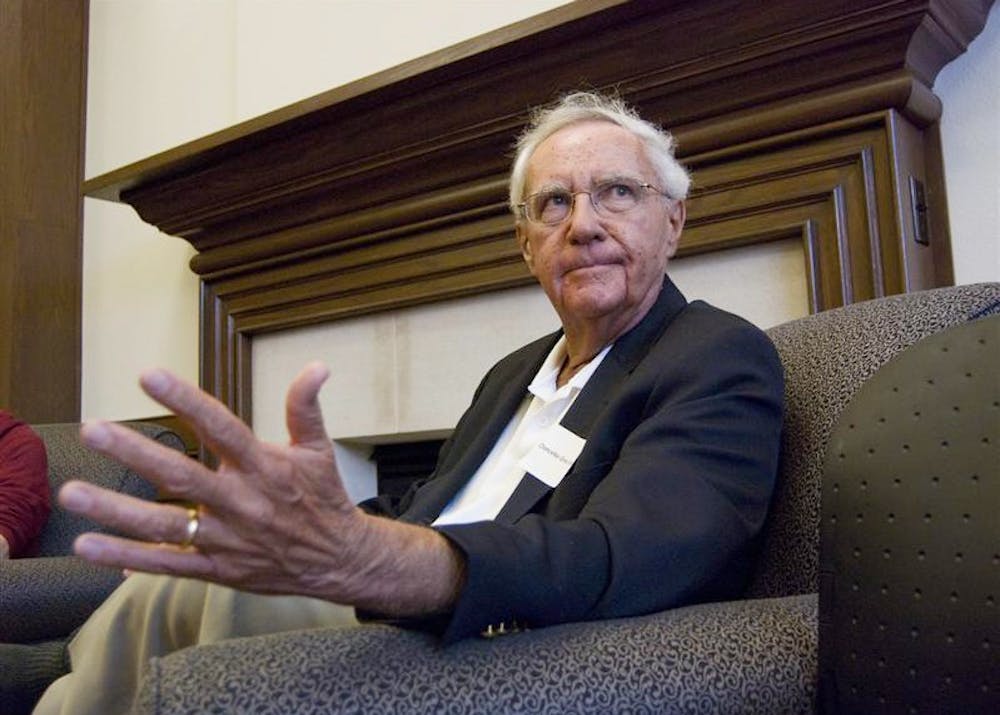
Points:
point(399, 465)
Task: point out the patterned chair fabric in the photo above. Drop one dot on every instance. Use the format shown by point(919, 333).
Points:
point(753, 656)
point(52, 594)
point(741, 657)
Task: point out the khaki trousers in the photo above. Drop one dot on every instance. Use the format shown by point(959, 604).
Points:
point(150, 616)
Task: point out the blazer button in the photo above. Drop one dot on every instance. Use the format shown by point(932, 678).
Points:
point(502, 629)
point(492, 631)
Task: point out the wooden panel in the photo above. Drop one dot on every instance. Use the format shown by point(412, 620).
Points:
point(799, 119)
point(42, 79)
point(831, 187)
point(843, 182)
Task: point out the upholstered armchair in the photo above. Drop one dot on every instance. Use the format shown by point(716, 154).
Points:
point(757, 655)
point(51, 594)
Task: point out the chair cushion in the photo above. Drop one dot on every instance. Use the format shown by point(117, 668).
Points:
point(50, 597)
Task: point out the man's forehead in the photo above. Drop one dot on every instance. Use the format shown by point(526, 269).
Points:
point(598, 149)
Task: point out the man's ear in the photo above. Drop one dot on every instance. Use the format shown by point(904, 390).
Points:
point(525, 245)
point(676, 215)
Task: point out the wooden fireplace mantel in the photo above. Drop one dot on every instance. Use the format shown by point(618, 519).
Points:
point(812, 121)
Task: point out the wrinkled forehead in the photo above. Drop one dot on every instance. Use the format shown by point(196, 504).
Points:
point(586, 153)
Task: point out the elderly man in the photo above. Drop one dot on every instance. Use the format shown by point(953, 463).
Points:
point(620, 466)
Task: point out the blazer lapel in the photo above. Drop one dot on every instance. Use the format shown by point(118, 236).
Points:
point(627, 353)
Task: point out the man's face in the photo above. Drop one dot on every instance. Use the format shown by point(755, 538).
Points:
point(593, 267)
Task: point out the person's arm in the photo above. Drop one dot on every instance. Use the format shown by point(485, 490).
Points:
point(272, 518)
point(24, 486)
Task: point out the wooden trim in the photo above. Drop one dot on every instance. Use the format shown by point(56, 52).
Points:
point(939, 222)
point(390, 191)
point(43, 62)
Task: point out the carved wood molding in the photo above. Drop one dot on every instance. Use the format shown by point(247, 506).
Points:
point(391, 191)
point(836, 183)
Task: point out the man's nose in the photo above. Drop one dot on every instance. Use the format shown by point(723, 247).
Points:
point(584, 225)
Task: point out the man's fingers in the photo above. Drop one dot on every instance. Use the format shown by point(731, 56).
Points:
point(117, 552)
point(303, 415)
point(172, 471)
point(163, 523)
point(221, 431)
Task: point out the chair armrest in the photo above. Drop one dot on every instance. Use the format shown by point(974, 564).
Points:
point(712, 657)
point(49, 597)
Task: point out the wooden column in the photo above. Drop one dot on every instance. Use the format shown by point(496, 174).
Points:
point(42, 96)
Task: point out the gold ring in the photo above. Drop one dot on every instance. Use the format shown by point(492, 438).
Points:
point(193, 523)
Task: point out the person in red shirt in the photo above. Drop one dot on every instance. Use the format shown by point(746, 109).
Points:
point(24, 487)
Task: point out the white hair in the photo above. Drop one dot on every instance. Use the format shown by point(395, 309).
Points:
point(590, 106)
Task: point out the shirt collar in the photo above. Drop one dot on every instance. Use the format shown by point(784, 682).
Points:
point(544, 384)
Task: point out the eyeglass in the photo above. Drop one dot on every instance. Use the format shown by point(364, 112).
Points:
point(608, 198)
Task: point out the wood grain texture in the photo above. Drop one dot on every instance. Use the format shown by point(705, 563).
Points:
point(42, 78)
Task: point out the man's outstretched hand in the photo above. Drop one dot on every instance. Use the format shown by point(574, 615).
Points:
point(271, 518)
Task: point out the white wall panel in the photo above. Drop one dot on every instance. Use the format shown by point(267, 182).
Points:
point(160, 73)
point(969, 88)
point(399, 372)
point(766, 283)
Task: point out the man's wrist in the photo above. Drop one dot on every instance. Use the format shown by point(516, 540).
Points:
point(410, 571)
point(4, 547)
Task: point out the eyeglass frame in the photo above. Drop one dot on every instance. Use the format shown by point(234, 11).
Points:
point(603, 211)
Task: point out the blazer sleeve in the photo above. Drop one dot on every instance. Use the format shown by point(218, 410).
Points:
point(683, 462)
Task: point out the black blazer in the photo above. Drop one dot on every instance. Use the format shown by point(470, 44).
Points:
point(662, 507)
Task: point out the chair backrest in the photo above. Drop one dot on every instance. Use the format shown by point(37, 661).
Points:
point(910, 538)
point(827, 357)
point(69, 459)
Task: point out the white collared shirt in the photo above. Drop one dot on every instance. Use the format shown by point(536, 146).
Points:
point(484, 495)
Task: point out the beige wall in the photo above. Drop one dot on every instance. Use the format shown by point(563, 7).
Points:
point(970, 135)
point(166, 71)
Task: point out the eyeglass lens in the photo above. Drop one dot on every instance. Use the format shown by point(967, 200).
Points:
point(613, 197)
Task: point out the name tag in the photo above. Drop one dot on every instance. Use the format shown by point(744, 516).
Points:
point(553, 456)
